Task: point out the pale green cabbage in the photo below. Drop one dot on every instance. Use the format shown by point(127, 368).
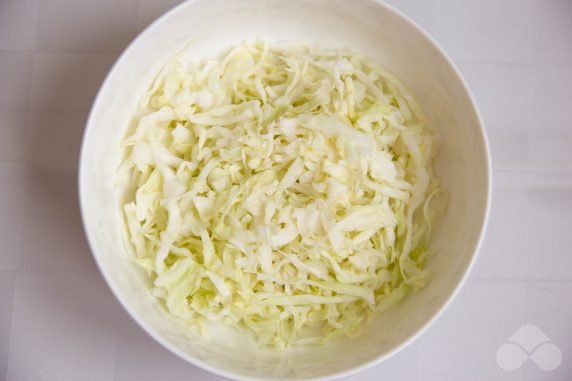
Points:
point(276, 191)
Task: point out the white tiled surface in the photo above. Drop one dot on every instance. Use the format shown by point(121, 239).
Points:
point(462, 345)
point(58, 320)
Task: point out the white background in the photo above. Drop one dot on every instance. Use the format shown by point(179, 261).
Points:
point(59, 321)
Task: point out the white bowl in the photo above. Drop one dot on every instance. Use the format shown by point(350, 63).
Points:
point(367, 26)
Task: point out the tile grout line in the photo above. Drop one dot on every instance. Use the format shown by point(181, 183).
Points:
point(513, 63)
point(114, 362)
point(532, 171)
point(27, 134)
point(437, 20)
point(522, 317)
point(27, 139)
point(523, 280)
point(526, 229)
point(28, 127)
point(9, 339)
point(418, 368)
point(16, 271)
point(70, 51)
point(36, 31)
point(115, 328)
point(35, 161)
point(22, 215)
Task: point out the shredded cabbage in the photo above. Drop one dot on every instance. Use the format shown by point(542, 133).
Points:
point(281, 190)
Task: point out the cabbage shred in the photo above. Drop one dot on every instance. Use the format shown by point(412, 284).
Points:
point(281, 190)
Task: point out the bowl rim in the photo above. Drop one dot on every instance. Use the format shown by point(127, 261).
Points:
point(350, 371)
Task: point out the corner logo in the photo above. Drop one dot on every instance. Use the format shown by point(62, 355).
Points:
point(529, 342)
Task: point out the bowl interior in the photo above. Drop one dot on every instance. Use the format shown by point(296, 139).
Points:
point(205, 28)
